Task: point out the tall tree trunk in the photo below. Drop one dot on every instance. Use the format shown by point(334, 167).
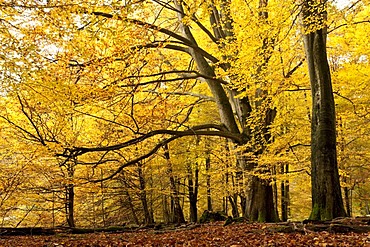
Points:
point(70, 195)
point(348, 201)
point(221, 22)
point(148, 219)
point(166, 210)
point(243, 204)
point(131, 206)
point(102, 199)
point(193, 185)
point(69, 205)
point(234, 205)
point(275, 189)
point(261, 206)
point(177, 209)
point(208, 183)
point(284, 194)
point(128, 199)
point(327, 202)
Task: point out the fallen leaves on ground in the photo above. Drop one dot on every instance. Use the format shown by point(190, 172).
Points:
point(214, 234)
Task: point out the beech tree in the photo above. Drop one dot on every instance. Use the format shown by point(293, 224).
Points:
point(327, 202)
point(113, 88)
point(242, 100)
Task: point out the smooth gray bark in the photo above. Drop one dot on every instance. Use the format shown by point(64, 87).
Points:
point(327, 202)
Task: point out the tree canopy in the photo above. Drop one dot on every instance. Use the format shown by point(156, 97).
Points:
point(119, 112)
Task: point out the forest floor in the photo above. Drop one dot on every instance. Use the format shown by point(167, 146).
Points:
point(212, 234)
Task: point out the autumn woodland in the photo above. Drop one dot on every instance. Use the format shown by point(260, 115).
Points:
point(136, 112)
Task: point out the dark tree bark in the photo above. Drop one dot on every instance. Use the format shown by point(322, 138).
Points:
point(70, 195)
point(262, 195)
point(347, 199)
point(261, 206)
point(243, 204)
point(69, 205)
point(284, 194)
point(208, 181)
point(102, 203)
point(234, 205)
point(131, 206)
point(178, 214)
point(127, 201)
point(148, 219)
point(327, 202)
point(166, 210)
point(193, 185)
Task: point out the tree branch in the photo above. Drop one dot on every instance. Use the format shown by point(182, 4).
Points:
point(290, 73)
point(197, 130)
point(170, 33)
point(134, 161)
point(186, 76)
point(40, 138)
point(346, 24)
point(197, 95)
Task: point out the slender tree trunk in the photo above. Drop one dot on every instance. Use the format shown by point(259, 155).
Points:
point(227, 192)
point(327, 202)
point(284, 194)
point(69, 205)
point(208, 183)
point(127, 200)
point(243, 204)
point(70, 196)
point(347, 199)
point(275, 189)
point(177, 209)
point(193, 185)
point(234, 205)
point(225, 207)
point(166, 210)
point(102, 198)
point(131, 206)
point(148, 219)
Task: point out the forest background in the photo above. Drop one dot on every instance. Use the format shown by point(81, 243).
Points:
point(112, 111)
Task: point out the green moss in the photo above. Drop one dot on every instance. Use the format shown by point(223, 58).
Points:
point(209, 216)
point(315, 213)
point(320, 213)
point(261, 216)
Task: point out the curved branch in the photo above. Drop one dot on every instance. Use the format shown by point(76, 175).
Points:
point(189, 77)
point(353, 105)
point(134, 161)
point(106, 120)
point(197, 130)
point(186, 74)
point(197, 95)
point(346, 24)
point(178, 135)
point(164, 44)
point(205, 30)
